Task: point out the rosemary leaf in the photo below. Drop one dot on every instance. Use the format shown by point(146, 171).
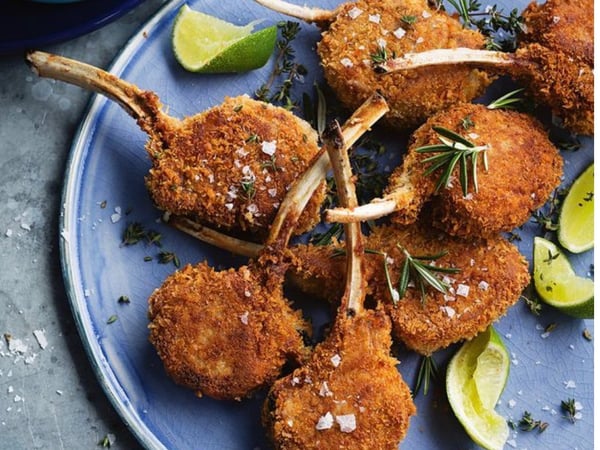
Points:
point(428, 371)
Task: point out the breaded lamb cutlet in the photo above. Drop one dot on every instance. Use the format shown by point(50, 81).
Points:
point(490, 276)
point(350, 393)
point(358, 35)
point(227, 333)
point(228, 167)
point(554, 60)
point(523, 168)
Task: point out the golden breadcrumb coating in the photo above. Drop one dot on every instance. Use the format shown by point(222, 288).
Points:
point(524, 169)
point(225, 334)
point(492, 269)
point(230, 166)
point(349, 395)
point(347, 47)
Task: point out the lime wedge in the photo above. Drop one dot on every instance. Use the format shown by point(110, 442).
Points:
point(206, 44)
point(576, 220)
point(557, 284)
point(475, 378)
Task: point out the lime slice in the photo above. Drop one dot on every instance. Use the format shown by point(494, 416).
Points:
point(557, 284)
point(576, 220)
point(206, 44)
point(475, 378)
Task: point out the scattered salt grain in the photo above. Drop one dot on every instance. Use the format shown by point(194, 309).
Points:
point(336, 360)
point(375, 18)
point(116, 216)
point(244, 318)
point(400, 32)
point(324, 391)
point(512, 403)
point(355, 12)
point(462, 290)
point(40, 337)
point(570, 384)
point(8, 233)
point(347, 423)
point(269, 147)
point(426, 14)
point(483, 285)
point(325, 422)
point(448, 310)
point(346, 62)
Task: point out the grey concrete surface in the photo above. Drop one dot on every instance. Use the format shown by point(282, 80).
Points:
point(49, 397)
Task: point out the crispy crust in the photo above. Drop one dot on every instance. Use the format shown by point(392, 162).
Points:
point(493, 270)
point(224, 334)
point(524, 169)
point(494, 261)
point(212, 154)
point(562, 25)
point(414, 95)
point(365, 384)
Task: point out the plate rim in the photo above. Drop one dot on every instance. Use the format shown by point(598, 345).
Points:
point(68, 247)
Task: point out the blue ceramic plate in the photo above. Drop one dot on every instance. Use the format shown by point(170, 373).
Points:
point(105, 192)
point(25, 24)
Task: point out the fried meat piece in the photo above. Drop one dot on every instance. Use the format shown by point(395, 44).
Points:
point(225, 334)
point(228, 167)
point(360, 34)
point(523, 170)
point(350, 393)
point(492, 276)
point(554, 60)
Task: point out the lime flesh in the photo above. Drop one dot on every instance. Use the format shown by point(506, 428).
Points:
point(576, 220)
point(475, 378)
point(206, 44)
point(557, 284)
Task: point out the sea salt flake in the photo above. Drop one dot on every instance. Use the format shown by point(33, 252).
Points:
point(324, 391)
point(420, 40)
point(483, 285)
point(448, 310)
point(512, 403)
point(336, 360)
point(244, 318)
point(8, 233)
point(40, 337)
point(354, 13)
point(400, 32)
point(375, 18)
point(570, 384)
point(381, 43)
point(347, 422)
point(425, 14)
point(462, 290)
point(269, 147)
point(17, 346)
point(325, 422)
point(346, 62)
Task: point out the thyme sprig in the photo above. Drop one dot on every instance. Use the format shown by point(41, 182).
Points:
point(500, 29)
point(381, 55)
point(571, 407)
point(422, 274)
point(454, 150)
point(285, 66)
point(428, 371)
point(528, 423)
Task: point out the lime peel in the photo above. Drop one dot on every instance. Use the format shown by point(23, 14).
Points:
point(205, 44)
point(475, 380)
point(576, 219)
point(557, 284)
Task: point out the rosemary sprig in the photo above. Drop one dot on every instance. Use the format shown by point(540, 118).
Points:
point(381, 55)
point(428, 371)
point(286, 66)
point(326, 238)
point(422, 274)
point(507, 101)
point(454, 150)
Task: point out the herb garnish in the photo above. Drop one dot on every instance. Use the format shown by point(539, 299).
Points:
point(165, 257)
point(123, 299)
point(428, 371)
point(135, 232)
point(106, 441)
point(381, 55)
point(112, 319)
point(528, 423)
point(454, 150)
point(500, 29)
point(409, 20)
point(422, 274)
point(507, 101)
point(326, 238)
point(571, 409)
point(285, 65)
point(533, 304)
